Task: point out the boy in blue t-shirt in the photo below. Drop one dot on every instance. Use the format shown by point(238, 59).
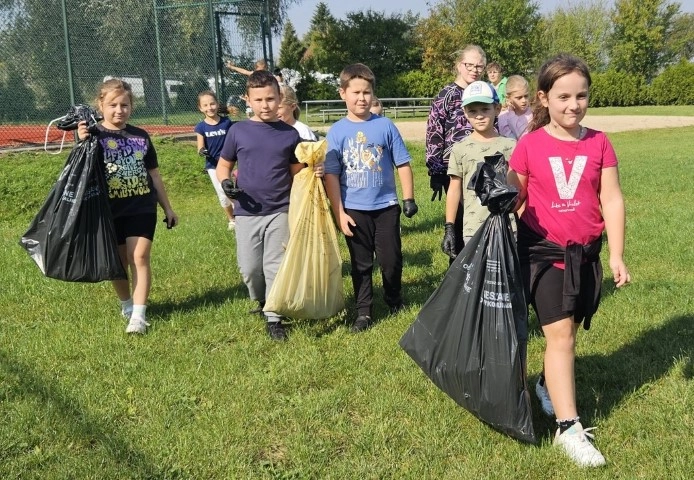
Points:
point(363, 151)
point(264, 148)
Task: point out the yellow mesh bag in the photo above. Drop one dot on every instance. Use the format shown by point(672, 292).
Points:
point(309, 281)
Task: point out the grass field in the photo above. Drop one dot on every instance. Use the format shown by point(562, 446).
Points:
point(206, 395)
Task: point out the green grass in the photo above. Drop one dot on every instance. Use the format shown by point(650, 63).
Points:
point(657, 110)
point(205, 395)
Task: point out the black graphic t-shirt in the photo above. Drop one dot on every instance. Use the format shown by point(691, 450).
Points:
point(127, 156)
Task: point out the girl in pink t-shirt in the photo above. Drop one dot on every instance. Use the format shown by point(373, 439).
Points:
point(569, 190)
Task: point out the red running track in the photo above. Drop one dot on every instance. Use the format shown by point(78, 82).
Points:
point(19, 136)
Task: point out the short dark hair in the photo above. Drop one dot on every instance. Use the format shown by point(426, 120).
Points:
point(260, 79)
point(494, 65)
point(357, 70)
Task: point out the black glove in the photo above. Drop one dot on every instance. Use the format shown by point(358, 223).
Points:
point(230, 189)
point(439, 183)
point(203, 152)
point(409, 207)
point(449, 241)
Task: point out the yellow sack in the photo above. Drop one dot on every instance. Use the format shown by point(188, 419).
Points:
point(309, 281)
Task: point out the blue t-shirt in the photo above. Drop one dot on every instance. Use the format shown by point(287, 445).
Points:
point(264, 152)
point(214, 136)
point(364, 155)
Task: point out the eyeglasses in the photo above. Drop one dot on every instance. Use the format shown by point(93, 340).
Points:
point(471, 67)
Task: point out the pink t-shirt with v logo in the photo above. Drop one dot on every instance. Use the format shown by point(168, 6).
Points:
point(563, 202)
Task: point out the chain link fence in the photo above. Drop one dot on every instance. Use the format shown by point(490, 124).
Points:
point(54, 54)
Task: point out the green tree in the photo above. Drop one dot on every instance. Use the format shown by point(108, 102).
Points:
point(322, 23)
point(582, 29)
point(384, 43)
point(680, 44)
point(508, 31)
point(640, 36)
point(291, 49)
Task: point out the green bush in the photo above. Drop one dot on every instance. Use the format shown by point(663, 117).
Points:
point(414, 83)
point(618, 89)
point(18, 99)
point(674, 85)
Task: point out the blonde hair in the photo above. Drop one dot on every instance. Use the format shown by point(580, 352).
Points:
point(514, 84)
point(459, 55)
point(261, 64)
point(113, 85)
point(289, 98)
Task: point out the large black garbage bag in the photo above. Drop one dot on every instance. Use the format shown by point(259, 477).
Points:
point(471, 334)
point(72, 237)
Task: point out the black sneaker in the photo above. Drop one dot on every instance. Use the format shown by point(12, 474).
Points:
point(395, 309)
point(361, 323)
point(276, 331)
point(258, 310)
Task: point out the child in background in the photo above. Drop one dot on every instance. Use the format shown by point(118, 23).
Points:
point(289, 112)
point(260, 64)
point(481, 105)
point(210, 134)
point(376, 106)
point(134, 188)
point(447, 123)
point(513, 122)
point(264, 148)
point(567, 175)
point(498, 81)
point(363, 151)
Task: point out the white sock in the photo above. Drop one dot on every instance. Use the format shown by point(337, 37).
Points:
point(139, 311)
point(126, 306)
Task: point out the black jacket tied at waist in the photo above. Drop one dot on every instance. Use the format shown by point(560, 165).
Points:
point(540, 254)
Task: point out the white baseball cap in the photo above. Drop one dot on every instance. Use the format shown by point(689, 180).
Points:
point(481, 92)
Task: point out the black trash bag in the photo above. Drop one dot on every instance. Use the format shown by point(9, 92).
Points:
point(489, 183)
point(470, 336)
point(72, 237)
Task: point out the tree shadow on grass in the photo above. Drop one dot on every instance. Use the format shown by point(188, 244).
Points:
point(25, 381)
point(604, 381)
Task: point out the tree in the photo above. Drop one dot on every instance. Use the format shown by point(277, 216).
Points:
point(384, 43)
point(291, 49)
point(680, 44)
point(640, 36)
point(582, 29)
point(508, 31)
point(322, 23)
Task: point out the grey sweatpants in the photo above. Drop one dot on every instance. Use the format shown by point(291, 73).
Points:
point(260, 245)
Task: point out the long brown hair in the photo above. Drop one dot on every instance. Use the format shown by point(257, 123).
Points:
point(550, 72)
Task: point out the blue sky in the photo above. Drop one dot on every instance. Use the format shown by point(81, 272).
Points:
point(301, 15)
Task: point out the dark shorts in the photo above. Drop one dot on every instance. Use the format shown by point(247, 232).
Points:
point(547, 297)
point(142, 225)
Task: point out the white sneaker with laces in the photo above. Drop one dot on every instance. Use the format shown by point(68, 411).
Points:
point(578, 444)
point(543, 396)
point(136, 325)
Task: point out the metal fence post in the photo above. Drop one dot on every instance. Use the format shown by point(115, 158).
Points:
point(66, 36)
point(162, 83)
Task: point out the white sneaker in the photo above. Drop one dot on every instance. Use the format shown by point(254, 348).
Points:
point(543, 396)
point(578, 444)
point(137, 325)
point(126, 313)
point(231, 225)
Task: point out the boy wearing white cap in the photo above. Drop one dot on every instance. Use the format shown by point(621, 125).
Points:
point(481, 107)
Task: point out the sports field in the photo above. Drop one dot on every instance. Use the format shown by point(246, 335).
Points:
point(206, 395)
